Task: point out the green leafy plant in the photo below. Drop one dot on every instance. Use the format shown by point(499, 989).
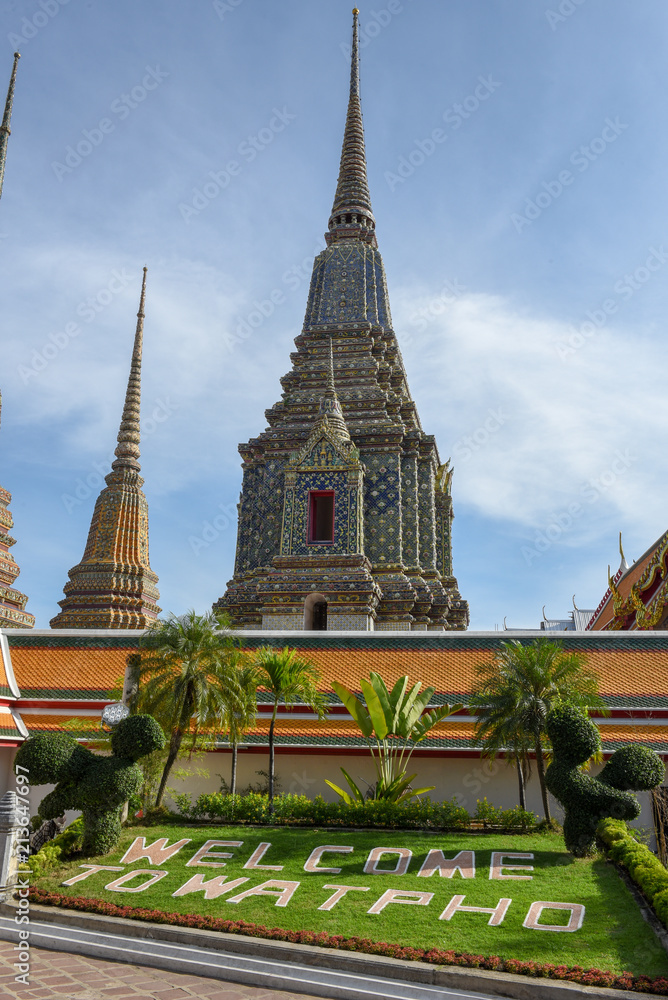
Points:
point(392, 723)
point(98, 786)
point(587, 800)
point(56, 850)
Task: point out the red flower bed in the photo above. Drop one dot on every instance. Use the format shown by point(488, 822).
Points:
point(436, 956)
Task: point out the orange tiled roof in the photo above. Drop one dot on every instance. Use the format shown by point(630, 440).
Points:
point(632, 667)
point(8, 725)
point(45, 672)
point(446, 670)
point(614, 736)
point(77, 726)
point(453, 671)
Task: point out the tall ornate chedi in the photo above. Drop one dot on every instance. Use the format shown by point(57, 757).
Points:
point(345, 510)
point(114, 586)
point(12, 602)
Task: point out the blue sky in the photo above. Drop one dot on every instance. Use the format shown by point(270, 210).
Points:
point(517, 162)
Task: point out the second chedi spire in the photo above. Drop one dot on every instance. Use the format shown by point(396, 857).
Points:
point(114, 586)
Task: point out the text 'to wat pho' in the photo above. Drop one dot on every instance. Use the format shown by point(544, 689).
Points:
point(343, 552)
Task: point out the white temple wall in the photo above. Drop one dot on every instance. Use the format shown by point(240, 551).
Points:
point(467, 779)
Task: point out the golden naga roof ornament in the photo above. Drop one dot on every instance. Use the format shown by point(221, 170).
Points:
point(618, 602)
point(444, 477)
point(645, 617)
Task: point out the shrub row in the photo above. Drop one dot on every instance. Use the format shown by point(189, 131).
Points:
point(298, 810)
point(644, 867)
point(434, 956)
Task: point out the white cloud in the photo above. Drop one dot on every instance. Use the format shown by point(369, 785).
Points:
point(532, 427)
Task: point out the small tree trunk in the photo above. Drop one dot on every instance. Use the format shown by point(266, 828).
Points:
point(175, 746)
point(271, 758)
point(233, 777)
point(541, 778)
point(520, 779)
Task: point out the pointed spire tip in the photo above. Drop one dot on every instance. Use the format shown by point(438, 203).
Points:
point(127, 449)
point(351, 216)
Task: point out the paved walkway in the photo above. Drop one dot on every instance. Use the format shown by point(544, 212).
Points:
point(64, 976)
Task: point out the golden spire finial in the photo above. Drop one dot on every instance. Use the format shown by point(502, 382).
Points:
point(351, 215)
point(127, 449)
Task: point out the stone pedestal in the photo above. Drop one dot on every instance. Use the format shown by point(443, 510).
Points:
point(10, 831)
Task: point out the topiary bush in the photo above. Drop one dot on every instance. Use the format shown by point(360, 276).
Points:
point(98, 786)
point(587, 800)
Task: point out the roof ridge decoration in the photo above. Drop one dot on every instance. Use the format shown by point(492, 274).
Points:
point(604, 600)
point(5, 130)
point(114, 587)
point(7, 678)
point(645, 606)
point(351, 216)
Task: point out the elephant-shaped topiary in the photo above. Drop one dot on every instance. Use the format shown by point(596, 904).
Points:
point(97, 785)
point(587, 800)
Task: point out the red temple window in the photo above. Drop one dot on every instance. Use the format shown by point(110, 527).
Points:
point(321, 516)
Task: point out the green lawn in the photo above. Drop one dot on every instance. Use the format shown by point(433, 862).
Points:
point(613, 934)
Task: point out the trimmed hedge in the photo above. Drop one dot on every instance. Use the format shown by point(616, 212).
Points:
point(644, 867)
point(433, 956)
point(298, 810)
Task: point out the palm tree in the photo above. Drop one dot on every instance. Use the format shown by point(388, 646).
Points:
point(516, 691)
point(240, 703)
point(288, 678)
point(180, 676)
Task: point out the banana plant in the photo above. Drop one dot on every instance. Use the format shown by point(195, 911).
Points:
point(392, 723)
